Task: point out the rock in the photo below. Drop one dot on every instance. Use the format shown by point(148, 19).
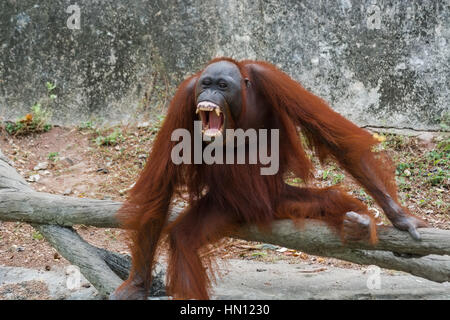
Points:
point(67, 191)
point(41, 166)
point(143, 125)
point(269, 246)
point(248, 280)
point(55, 281)
point(426, 138)
point(102, 170)
point(338, 42)
point(67, 160)
point(16, 248)
point(34, 178)
point(244, 280)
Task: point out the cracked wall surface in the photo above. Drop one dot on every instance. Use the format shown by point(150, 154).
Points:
point(377, 62)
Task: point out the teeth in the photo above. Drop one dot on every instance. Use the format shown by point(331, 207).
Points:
point(212, 132)
point(208, 106)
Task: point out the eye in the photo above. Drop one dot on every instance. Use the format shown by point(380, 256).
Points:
point(222, 85)
point(206, 81)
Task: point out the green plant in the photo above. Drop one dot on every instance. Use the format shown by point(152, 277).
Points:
point(439, 159)
point(37, 235)
point(422, 202)
point(405, 169)
point(395, 141)
point(435, 155)
point(444, 145)
point(50, 87)
point(259, 254)
point(53, 156)
point(34, 122)
point(362, 193)
point(12, 127)
point(439, 177)
point(88, 125)
point(37, 121)
point(111, 140)
point(403, 184)
point(110, 234)
point(337, 178)
point(325, 174)
point(41, 117)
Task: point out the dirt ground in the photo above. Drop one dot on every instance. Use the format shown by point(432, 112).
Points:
point(103, 163)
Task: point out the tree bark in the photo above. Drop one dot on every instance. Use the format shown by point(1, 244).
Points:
point(92, 263)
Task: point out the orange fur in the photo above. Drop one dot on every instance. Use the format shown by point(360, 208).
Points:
point(238, 194)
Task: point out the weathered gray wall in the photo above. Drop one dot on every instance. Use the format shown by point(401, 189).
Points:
point(378, 62)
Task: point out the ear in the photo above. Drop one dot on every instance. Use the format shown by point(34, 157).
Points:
point(247, 82)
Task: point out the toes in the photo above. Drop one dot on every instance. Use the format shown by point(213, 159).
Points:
point(353, 217)
point(356, 226)
point(414, 233)
point(411, 224)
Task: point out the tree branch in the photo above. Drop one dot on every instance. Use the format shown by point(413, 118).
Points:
point(53, 215)
point(93, 265)
point(395, 249)
point(80, 253)
point(44, 208)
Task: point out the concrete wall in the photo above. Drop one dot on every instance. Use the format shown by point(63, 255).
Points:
point(378, 62)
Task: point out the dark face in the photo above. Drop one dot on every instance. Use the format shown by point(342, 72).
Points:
point(219, 98)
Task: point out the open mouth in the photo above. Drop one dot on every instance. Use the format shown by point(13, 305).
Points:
point(212, 118)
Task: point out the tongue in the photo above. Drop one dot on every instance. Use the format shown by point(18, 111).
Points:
point(214, 121)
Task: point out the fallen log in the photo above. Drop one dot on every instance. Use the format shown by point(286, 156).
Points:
point(54, 215)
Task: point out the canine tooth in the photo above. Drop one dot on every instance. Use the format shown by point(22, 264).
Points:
point(197, 111)
point(217, 111)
